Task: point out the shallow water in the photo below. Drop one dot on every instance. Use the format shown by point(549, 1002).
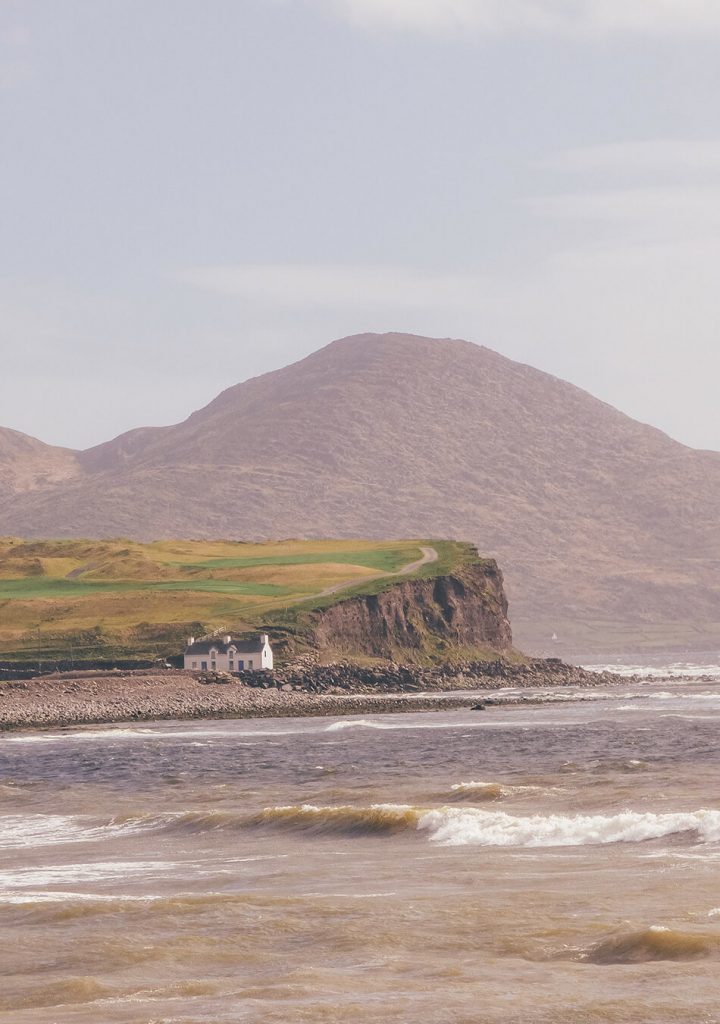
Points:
point(527, 864)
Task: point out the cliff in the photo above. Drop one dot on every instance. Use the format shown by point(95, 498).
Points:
point(440, 618)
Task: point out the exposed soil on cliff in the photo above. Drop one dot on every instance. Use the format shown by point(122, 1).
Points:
point(421, 618)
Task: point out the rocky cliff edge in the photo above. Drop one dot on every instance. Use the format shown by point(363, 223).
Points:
point(437, 618)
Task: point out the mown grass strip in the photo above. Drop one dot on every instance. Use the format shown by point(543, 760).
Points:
point(227, 587)
point(48, 587)
point(384, 560)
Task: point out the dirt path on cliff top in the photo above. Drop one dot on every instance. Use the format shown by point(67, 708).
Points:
point(428, 555)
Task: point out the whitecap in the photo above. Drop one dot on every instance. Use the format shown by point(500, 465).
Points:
point(474, 827)
point(358, 723)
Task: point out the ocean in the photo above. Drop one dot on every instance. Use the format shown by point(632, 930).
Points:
point(556, 863)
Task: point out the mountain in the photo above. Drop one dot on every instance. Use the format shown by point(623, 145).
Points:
point(606, 528)
point(27, 464)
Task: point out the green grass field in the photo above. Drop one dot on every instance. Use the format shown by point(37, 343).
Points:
point(122, 599)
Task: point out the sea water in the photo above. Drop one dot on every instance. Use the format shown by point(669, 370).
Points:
point(556, 863)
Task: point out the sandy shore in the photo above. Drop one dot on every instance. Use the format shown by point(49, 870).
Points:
point(103, 697)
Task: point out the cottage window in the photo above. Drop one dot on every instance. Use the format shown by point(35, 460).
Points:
point(231, 664)
point(250, 664)
point(194, 664)
point(241, 665)
point(213, 664)
point(203, 666)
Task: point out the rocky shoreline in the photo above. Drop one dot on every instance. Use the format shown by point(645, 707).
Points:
point(306, 674)
point(302, 690)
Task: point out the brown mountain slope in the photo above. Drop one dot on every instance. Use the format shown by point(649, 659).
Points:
point(26, 463)
point(599, 522)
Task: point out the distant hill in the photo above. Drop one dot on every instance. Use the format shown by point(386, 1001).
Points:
point(27, 464)
point(607, 529)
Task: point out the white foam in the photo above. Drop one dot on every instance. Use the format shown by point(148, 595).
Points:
point(402, 724)
point(677, 670)
point(473, 827)
point(348, 895)
point(59, 874)
point(680, 694)
point(115, 735)
point(21, 897)
point(89, 734)
point(483, 787)
point(18, 831)
point(358, 723)
point(466, 787)
point(398, 725)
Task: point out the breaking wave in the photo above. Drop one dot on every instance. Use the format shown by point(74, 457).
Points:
point(488, 791)
point(654, 943)
point(446, 825)
point(473, 827)
point(455, 826)
point(358, 723)
point(347, 820)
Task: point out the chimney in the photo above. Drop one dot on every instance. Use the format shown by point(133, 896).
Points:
point(191, 641)
point(264, 639)
point(227, 640)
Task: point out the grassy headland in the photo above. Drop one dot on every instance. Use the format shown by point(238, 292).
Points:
point(86, 599)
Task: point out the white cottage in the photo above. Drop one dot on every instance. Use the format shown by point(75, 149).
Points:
point(223, 654)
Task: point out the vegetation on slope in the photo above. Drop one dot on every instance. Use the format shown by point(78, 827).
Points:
point(86, 600)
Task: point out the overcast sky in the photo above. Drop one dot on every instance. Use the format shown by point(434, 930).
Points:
point(197, 191)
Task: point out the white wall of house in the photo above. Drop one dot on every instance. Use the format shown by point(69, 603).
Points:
point(229, 659)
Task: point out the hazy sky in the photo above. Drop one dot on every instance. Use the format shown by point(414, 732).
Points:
point(197, 192)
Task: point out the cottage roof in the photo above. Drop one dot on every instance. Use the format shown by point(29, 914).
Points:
point(252, 646)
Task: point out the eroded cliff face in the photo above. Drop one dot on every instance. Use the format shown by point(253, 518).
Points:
point(421, 619)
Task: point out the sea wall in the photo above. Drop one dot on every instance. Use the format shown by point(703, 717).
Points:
point(420, 618)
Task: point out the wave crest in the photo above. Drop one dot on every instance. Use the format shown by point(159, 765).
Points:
point(652, 944)
point(358, 723)
point(488, 791)
point(380, 819)
point(446, 825)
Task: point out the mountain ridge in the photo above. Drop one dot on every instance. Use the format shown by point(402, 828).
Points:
point(599, 521)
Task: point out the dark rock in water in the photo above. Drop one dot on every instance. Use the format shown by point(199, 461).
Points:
point(478, 707)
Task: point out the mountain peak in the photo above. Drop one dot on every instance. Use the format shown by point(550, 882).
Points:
point(594, 517)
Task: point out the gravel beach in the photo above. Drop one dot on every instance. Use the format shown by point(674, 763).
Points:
point(78, 698)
